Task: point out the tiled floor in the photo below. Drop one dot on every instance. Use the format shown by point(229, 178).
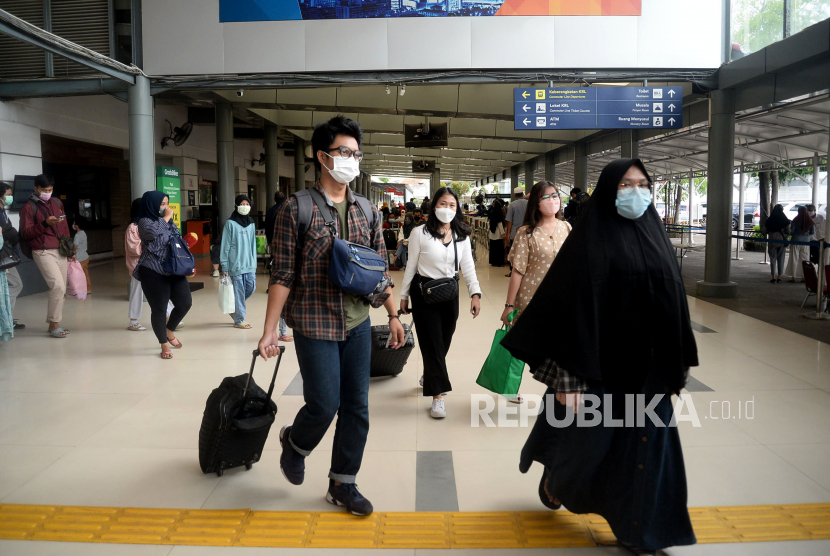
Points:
point(100, 419)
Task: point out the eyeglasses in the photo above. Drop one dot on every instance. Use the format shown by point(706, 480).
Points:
point(346, 152)
point(644, 184)
point(550, 196)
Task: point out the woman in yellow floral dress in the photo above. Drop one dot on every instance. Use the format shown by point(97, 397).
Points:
point(536, 245)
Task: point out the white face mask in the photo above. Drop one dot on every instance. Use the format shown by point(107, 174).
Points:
point(243, 210)
point(345, 169)
point(445, 215)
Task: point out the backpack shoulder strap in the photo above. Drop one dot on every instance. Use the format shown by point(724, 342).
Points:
point(304, 211)
point(366, 207)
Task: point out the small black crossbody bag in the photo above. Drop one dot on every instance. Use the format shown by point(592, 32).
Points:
point(442, 289)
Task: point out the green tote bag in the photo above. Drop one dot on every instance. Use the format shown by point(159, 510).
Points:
point(501, 372)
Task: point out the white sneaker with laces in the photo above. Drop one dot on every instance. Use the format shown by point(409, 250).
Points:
point(214, 274)
point(136, 327)
point(438, 411)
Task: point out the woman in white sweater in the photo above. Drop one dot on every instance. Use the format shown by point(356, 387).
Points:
point(437, 250)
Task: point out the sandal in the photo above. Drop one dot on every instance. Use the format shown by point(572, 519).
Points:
point(286, 338)
point(243, 325)
point(174, 339)
point(543, 492)
point(58, 333)
point(166, 354)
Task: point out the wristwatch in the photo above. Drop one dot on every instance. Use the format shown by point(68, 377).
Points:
point(506, 305)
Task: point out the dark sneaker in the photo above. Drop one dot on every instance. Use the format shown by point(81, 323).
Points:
point(19, 325)
point(348, 496)
point(292, 464)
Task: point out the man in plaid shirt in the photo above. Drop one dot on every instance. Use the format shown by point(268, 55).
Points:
point(332, 330)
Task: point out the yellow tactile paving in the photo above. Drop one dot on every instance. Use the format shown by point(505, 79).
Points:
point(245, 527)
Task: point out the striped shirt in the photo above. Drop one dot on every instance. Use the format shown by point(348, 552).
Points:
point(155, 239)
point(315, 305)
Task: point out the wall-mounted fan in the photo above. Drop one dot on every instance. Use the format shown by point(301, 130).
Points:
point(260, 161)
point(178, 135)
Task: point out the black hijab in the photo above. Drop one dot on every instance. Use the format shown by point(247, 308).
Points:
point(243, 221)
point(135, 210)
point(496, 215)
point(612, 306)
point(151, 204)
point(407, 228)
point(777, 221)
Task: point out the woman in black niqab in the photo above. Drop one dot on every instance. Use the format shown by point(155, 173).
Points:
point(494, 218)
point(617, 284)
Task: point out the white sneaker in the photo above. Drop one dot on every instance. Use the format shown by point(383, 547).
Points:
point(136, 327)
point(438, 411)
point(181, 325)
point(215, 274)
point(421, 382)
point(518, 399)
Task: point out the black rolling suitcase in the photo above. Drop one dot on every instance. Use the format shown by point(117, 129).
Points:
point(385, 360)
point(238, 416)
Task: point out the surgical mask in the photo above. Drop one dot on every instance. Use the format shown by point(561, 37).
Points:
point(162, 210)
point(633, 202)
point(45, 197)
point(549, 208)
point(243, 210)
point(812, 213)
point(445, 215)
point(345, 169)
point(8, 201)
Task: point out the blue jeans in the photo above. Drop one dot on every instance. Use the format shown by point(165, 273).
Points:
point(335, 382)
point(283, 327)
point(403, 253)
point(244, 286)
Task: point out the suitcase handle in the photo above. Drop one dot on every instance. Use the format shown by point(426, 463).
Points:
point(406, 336)
point(273, 378)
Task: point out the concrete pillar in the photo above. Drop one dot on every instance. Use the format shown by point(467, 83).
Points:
point(628, 144)
point(550, 167)
point(719, 197)
point(581, 167)
point(530, 169)
point(299, 164)
point(816, 161)
point(240, 181)
point(224, 161)
point(272, 168)
point(692, 200)
point(741, 200)
point(514, 178)
point(435, 182)
point(142, 138)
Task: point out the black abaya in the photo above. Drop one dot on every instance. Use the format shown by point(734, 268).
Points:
point(616, 281)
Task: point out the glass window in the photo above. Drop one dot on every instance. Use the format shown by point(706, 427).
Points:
point(808, 12)
point(756, 24)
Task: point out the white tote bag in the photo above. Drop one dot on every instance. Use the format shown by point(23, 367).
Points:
point(227, 303)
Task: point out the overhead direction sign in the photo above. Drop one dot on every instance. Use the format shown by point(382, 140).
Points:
point(598, 108)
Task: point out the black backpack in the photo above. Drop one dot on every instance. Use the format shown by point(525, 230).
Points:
point(578, 205)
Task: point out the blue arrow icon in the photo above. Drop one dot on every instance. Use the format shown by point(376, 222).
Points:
point(671, 121)
point(525, 107)
point(671, 107)
point(525, 121)
point(671, 93)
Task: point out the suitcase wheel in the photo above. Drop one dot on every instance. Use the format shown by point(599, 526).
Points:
point(220, 472)
point(248, 466)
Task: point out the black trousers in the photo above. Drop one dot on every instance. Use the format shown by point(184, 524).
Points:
point(435, 326)
point(497, 252)
point(159, 289)
point(814, 252)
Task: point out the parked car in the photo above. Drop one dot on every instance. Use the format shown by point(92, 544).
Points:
point(752, 214)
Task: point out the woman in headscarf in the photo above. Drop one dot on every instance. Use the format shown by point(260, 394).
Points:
point(778, 228)
point(802, 227)
point(156, 229)
point(496, 220)
point(237, 257)
point(617, 280)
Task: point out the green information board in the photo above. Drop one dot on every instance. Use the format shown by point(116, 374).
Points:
point(168, 181)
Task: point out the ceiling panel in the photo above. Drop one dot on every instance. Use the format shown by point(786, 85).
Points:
point(355, 99)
